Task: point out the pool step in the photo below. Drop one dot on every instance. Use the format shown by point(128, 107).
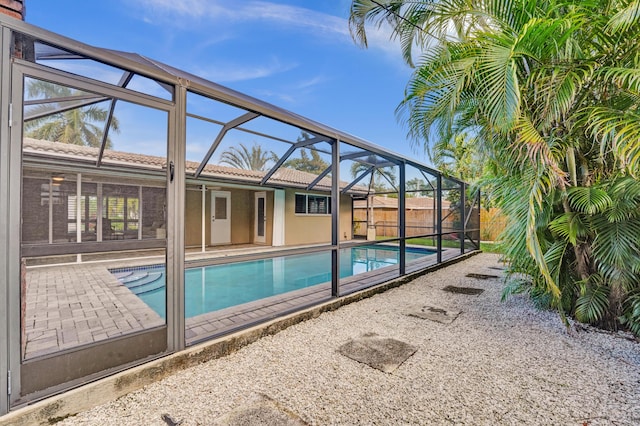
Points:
point(122, 275)
point(149, 278)
point(144, 282)
point(131, 279)
point(155, 286)
point(141, 282)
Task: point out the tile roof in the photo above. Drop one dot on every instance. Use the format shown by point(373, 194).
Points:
point(283, 176)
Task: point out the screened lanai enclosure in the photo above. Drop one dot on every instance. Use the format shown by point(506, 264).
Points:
point(146, 210)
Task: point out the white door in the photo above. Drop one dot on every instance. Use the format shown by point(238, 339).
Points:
point(261, 217)
point(220, 217)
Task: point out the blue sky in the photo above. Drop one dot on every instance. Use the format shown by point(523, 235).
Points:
point(295, 54)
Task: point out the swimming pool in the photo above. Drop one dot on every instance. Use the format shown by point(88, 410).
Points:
point(217, 287)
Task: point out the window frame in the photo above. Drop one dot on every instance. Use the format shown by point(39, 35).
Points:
point(308, 198)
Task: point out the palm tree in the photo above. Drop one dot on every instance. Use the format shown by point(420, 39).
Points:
point(382, 179)
point(417, 187)
point(549, 90)
point(242, 157)
point(78, 126)
point(458, 157)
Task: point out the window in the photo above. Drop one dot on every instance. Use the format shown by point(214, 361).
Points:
point(313, 204)
point(121, 206)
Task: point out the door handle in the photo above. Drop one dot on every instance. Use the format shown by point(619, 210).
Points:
point(213, 219)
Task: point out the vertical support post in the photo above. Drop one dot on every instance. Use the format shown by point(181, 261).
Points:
point(203, 218)
point(463, 215)
point(99, 212)
point(79, 213)
point(79, 208)
point(478, 200)
point(369, 202)
point(5, 104)
point(140, 210)
point(11, 173)
point(402, 220)
point(50, 206)
point(335, 218)
point(439, 219)
point(433, 213)
point(176, 192)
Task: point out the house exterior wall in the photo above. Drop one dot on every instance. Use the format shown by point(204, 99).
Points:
point(241, 216)
point(242, 211)
point(193, 218)
point(312, 229)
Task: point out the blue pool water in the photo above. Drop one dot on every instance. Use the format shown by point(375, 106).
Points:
point(216, 287)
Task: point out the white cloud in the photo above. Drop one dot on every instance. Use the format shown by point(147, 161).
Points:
point(280, 97)
point(224, 73)
point(310, 83)
point(223, 11)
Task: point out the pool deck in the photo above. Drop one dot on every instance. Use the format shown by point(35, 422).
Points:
point(73, 305)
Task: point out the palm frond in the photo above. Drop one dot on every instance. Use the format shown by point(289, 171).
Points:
point(589, 200)
point(625, 18)
point(593, 302)
point(631, 312)
point(499, 84)
point(627, 78)
point(616, 245)
point(619, 132)
point(570, 227)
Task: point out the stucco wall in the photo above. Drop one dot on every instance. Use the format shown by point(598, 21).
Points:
point(299, 229)
point(241, 217)
point(193, 218)
point(311, 229)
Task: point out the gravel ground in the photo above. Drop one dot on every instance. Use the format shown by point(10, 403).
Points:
point(497, 363)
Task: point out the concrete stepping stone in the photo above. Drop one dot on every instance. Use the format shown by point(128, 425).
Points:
point(380, 353)
point(261, 410)
point(463, 290)
point(432, 313)
point(481, 276)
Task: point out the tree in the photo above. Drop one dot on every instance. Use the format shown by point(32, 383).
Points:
point(382, 179)
point(550, 90)
point(417, 187)
point(242, 157)
point(78, 126)
point(314, 164)
point(458, 157)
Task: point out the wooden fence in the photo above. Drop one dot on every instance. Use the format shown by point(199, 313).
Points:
point(418, 222)
point(492, 222)
point(422, 222)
